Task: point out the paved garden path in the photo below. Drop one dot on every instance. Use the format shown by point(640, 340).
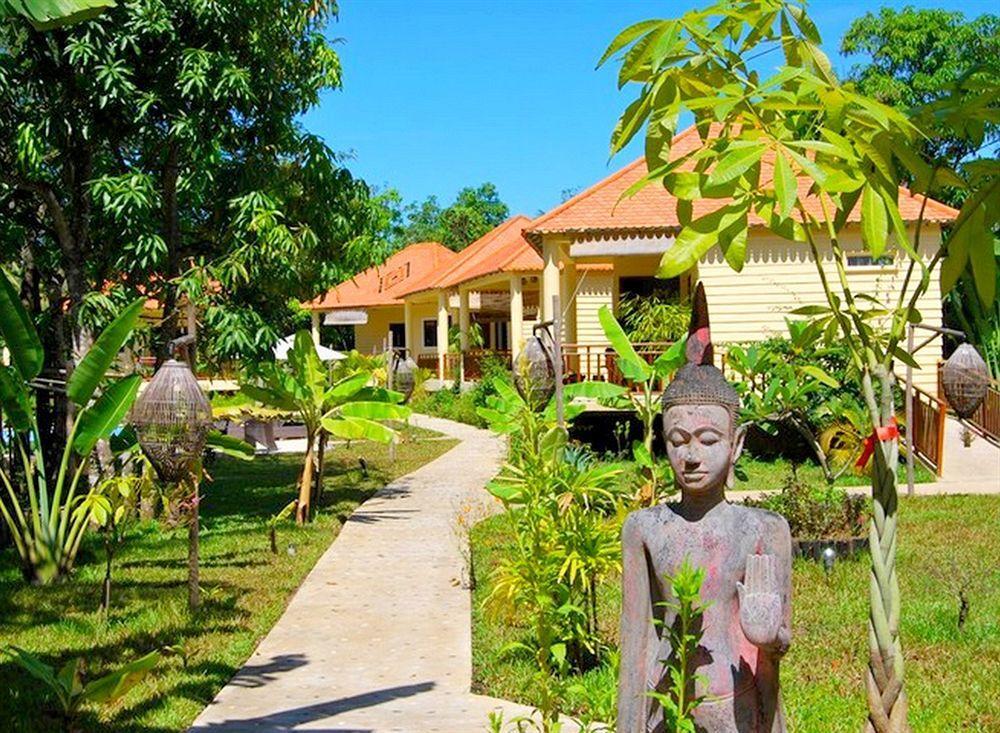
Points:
point(378, 637)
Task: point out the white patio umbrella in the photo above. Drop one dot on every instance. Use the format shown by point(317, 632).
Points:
point(285, 345)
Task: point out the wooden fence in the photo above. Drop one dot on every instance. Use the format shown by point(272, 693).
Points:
point(986, 420)
point(929, 414)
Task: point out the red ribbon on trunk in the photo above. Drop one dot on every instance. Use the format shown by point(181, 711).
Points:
point(888, 432)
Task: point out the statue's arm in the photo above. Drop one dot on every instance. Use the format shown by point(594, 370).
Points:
point(766, 593)
point(636, 631)
point(781, 547)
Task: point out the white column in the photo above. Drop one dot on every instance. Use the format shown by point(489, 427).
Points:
point(409, 330)
point(516, 315)
point(463, 318)
point(315, 318)
point(550, 277)
point(442, 331)
point(568, 287)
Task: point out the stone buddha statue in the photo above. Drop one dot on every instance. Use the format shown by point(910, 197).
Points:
point(745, 554)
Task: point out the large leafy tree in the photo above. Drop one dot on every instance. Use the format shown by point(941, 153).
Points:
point(475, 211)
point(759, 134)
point(914, 57)
point(154, 150)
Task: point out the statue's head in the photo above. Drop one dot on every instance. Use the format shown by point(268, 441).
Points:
point(700, 411)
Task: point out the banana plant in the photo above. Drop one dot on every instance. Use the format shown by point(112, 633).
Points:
point(38, 503)
point(68, 687)
point(339, 402)
point(648, 378)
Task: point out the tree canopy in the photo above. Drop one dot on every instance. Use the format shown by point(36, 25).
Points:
point(915, 57)
point(155, 150)
point(475, 211)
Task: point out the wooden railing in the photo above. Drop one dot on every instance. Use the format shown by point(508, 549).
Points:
point(928, 428)
point(987, 418)
point(590, 362)
point(451, 364)
point(581, 362)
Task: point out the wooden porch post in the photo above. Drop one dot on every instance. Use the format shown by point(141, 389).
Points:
point(516, 316)
point(442, 331)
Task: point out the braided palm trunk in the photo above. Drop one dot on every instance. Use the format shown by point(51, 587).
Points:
point(884, 680)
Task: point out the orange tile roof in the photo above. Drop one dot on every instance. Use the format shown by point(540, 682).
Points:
point(386, 284)
point(600, 208)
point(503, 249)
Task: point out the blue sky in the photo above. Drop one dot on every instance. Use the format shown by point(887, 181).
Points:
point(441, 94)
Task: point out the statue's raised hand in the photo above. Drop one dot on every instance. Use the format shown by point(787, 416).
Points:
point(760, 601)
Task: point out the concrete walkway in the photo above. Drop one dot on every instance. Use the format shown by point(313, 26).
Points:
point(378, 637)
point(967, 470)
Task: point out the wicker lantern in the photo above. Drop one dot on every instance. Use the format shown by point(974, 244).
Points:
point(535, 371)
point(965, 380)
point(172, 418)
point(403, 375)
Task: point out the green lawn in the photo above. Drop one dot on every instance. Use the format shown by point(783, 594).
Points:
point(245, 589)
point(771, 474)
point(951, 675)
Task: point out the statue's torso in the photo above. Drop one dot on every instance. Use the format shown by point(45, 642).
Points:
point(719, 543)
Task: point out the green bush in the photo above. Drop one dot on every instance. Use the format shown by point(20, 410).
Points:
point(817, 512)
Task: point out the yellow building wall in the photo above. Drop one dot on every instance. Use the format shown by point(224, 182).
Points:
point(778, 277)
point(370, 337)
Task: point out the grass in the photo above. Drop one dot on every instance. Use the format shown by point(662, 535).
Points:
point(761, 474)
point(245, 590)
point(951, 675)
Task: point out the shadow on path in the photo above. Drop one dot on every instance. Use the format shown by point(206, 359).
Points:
point(287, 720)
point(258, 675)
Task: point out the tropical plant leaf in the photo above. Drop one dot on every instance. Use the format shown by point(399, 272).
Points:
point(358, 428)
point(629, 362)
point(375, 410)
point(594, 390)
point(45, 15)
point(14, 400)
point(100, 419)
point(229, 446)
point(785, 186)
point(113, 686)
point(19, 333)
point(94, 365)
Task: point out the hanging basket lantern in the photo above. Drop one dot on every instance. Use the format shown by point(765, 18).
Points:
point(172, 417)
point(404, 375)
point(535, 370)
point(965, 380)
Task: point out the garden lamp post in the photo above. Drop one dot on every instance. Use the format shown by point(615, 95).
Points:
point(172, 418)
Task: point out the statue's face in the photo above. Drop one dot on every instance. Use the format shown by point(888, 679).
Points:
point(701, 445)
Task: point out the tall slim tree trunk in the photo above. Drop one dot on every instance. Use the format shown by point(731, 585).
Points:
point(887, 707)
point(194, 590)
point(171, 232)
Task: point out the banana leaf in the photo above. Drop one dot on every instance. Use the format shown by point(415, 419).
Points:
point(14, 400)
point(100, 419)
point(19, 332)
point(45, 15)
point(91, 370)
